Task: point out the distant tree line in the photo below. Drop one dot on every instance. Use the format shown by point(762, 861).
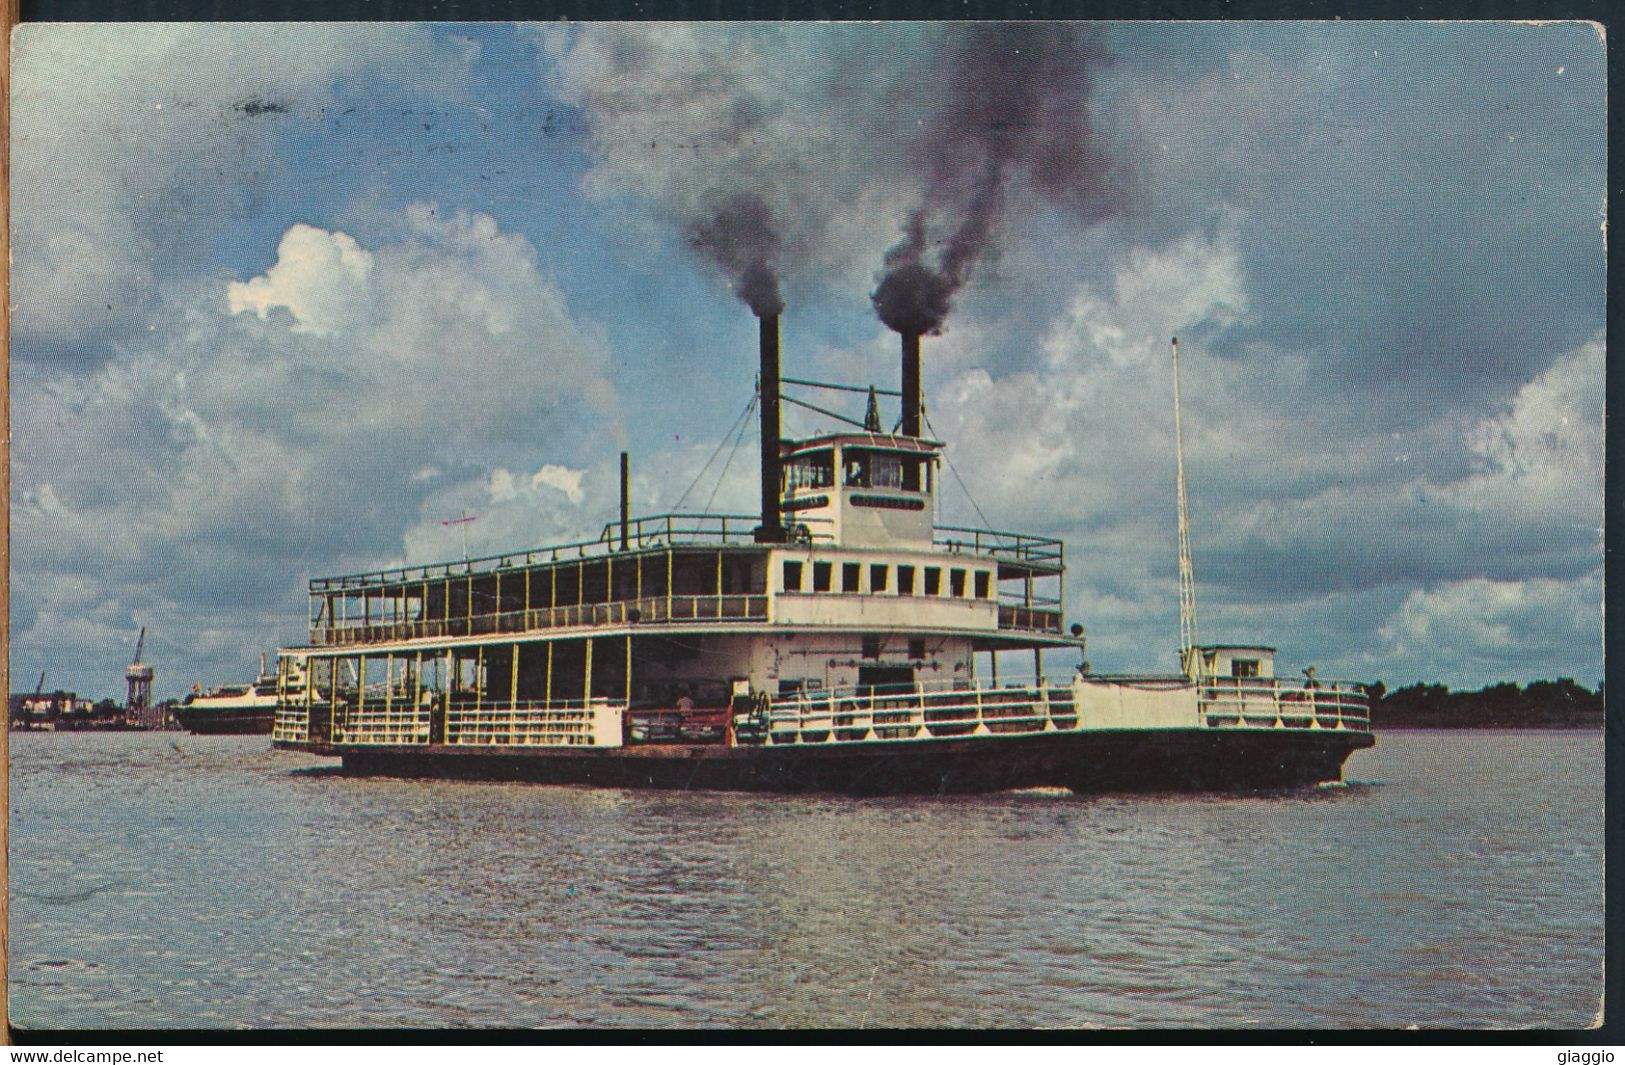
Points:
point(1540, 704)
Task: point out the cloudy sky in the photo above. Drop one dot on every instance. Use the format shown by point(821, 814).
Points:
point(288, 297)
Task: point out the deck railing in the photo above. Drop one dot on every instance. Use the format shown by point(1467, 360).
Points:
point(377, 721)
point(680, 530)
point(925, 712)
point(590, 723)
point(648, 610)
point(383, 720)
point(1029, 619)
point(655, 531)
point(1274, 702)
point(995, 543)
point(292, 721)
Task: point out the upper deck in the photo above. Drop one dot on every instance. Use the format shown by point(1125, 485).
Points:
point(687, 569)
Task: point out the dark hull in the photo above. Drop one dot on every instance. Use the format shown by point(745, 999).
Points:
point(1096, 761)
point(210, 721)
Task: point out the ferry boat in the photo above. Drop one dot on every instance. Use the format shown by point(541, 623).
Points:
point(235, 709)
point(838, 641)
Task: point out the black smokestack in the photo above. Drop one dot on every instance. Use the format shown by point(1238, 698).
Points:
point(911, 384)
point(911, 404)
point(1013, 116)
point(743, 241)
point(772, 529)
point(626, 501)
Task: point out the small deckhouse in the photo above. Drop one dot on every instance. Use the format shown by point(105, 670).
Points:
point(1238, 661)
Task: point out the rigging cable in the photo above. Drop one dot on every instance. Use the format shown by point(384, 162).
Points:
point(951, 468)
point(723, 476)
point(678, 506)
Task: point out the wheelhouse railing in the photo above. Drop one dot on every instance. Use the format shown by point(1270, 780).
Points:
point(913, 712)
point(1274, 702)
point(706, 530)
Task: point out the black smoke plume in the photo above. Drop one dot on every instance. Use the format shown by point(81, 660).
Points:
point(742, 239)
point(912, 298)
point(1014, 116)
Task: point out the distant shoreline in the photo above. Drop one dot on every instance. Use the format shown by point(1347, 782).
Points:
point(1550, 705)
point(1578, 726)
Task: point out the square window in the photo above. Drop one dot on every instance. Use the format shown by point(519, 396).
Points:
point(877, 578)
point(851, 576)
point(871, 647)
point(792, 576)
point(983, 582)
point(821, 576)
point(956, 583)
point(916, 648)
point(905, 580)
point(933, 580)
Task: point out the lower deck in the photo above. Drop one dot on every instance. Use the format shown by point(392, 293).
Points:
point(1081, 761)
point(1095, 733)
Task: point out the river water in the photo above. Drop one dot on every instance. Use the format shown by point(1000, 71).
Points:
point(168, 880)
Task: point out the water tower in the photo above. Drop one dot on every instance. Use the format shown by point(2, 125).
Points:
point(139, 674)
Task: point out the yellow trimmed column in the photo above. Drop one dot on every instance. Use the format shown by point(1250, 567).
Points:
point(586, 683)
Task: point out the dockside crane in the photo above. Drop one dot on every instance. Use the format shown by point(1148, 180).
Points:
point(139, 676)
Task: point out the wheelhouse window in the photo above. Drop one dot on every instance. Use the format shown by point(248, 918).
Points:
point(821, 576)
point(905, 580)
point(956, 583)
point(983, 584)
point(1244, 667)
point(864, 467)
point(792, 576)
point(815, 469)
point(877, 578)
point(933, 580)
point(886, 470)
point(851, 576)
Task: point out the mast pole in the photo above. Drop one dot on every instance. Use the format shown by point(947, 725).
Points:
point(1189, 640)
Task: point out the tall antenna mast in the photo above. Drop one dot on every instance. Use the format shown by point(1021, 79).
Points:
point(1190, 655)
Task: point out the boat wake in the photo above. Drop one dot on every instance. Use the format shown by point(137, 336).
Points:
point(1043, 792)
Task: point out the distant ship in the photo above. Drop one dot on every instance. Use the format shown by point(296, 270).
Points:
point(840, 641)
point(236, 709)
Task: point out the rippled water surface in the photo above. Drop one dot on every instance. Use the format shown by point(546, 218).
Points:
point(182, 881)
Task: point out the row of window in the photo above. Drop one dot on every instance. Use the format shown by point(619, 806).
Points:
point(880, 579)
point(860, 468)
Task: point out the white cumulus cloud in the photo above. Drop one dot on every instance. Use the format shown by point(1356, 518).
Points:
point(216, 465)
point(1464, 630)
point(562, 478)
point(319, 276)
point(135, 147)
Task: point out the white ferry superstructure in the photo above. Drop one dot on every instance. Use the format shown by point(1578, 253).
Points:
point(829, 643)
